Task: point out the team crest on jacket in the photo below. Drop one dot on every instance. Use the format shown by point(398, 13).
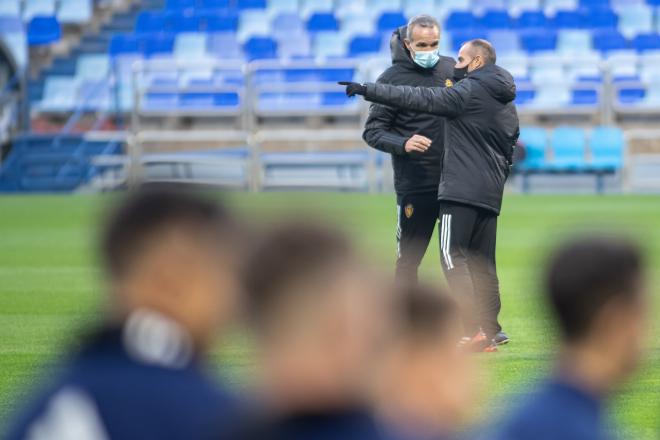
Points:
point(408, 210)
point(449, 83)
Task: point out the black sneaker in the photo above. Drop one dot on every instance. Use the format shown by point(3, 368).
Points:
point(501, 338)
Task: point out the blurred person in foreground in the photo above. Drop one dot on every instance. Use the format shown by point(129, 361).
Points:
point(596, 289)
point(426, 380)
point(318, 321)
point(170, 262)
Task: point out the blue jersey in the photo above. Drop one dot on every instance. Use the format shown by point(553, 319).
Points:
point(557, 410)
point(140, 383)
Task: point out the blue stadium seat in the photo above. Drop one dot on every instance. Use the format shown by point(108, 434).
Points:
point(208, 100)
point(533, 20)
point(495, 19)
point(186, 23)
point(215, 4)
point(568, 19)
point(631, 95)
point(525, 96)
point(92, 67)
point(276, 7)
point(535, 141)
point(219, 22)
point(594, 4)
point(389, 21)
point(10, 8)
point(459, 37)
point(329, 44)
point(60, 94)
point(569, 147)
point(148, 22)
point(159, 44)
point(362, 44)
point(322, 21)
point(584, 97)
point(124, 44)
point(645, 42)
point(260, 48)
point(294, 45)
point(505, 41)
point(460, 21)
point(288, 22)
point(609, 40)
point(636, 19)
point(190, 45)
point(482, 5)
point(536, 41)
point(607, 148)
point(250, 4)
point(574, 41)
point(180, 5)
point(601, 19)
point(43, 30)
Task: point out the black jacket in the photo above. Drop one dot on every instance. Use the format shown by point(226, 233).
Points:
point(482, 130)
point(387, 129)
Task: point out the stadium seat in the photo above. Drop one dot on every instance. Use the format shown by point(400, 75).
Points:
point(157, 45)
point(379, 6)
point(594, 4)
point(460, 21)
point(505, 41)
point(219, 22)
point(646, 42)
point(584, 97)
point(190, 45)
point(260, 48)
point(358, 24)
point(287, 22)
point(92, 67)
point(11, 24)
point(253, 23)
point(517, 65)
point(535, 141)
point(224, 45)
point(250, 4)
point(38, 7)
point(300, 46)
point(609, 40)
point(568, 19)
point(484, 5)
point(389, 21)
point(10, 8)
point(74, 11)
point(329, 44)
point(525, 96)
point(555, 5)
point(94, 95)
point(607, 148)
point(364, 45)
point(574, 42)
point(124, 44)
point(601, 19)
point(631, 95)
point(180, 5)
point(148, 22)
point(459, 37)
point(215, 5)
point(60, 94)
point(568, 146)
point(276, 7)
point(495, 19)
point(536, 20)
point(309, 7)
point(322, 21)
point(652, 96)
point(43, 30)
point(551, 97)
point(524, 5)
point(545, 75)
point(636, 19)
point(535, 41)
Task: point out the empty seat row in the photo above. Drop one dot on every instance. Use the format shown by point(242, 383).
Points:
point(66, 11)
point(555, 97)
point(572, 149)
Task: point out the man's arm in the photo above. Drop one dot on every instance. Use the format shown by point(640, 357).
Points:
point(377, 132)
point(442, 101)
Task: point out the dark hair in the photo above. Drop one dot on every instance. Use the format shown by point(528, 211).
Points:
point(585, 274)
point(425, 21)
point(424, 311)
point(485, 49)
point(286, 255)
point(143, 214)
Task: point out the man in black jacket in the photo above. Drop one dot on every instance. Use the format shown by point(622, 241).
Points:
point(415, 140)
point(482, 130)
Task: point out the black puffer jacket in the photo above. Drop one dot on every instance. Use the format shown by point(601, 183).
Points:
point(387, 129)
point(482, 130)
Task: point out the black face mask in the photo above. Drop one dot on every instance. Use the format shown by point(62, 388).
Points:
point(460, 73)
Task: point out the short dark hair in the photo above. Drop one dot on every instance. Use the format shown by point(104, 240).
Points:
point(285, 256)
point(425, 311)
point(142, 214)
point(585, 274)
point(425, 21)
point(485, 49)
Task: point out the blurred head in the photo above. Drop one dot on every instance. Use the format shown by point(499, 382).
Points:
point(431, 377)
point(423, 40)
point(474, 55)
point(172, 252)
point(314, 309)
point(596, 288)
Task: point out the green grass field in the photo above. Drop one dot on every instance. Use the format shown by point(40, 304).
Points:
point(50, 285)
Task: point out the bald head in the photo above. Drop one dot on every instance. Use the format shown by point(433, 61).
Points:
point(476, 54)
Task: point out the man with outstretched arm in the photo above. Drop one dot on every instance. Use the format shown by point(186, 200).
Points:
point(482, 130)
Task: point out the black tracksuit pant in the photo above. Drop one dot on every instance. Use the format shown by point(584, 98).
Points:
point(416, 218)
point(467, 251)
